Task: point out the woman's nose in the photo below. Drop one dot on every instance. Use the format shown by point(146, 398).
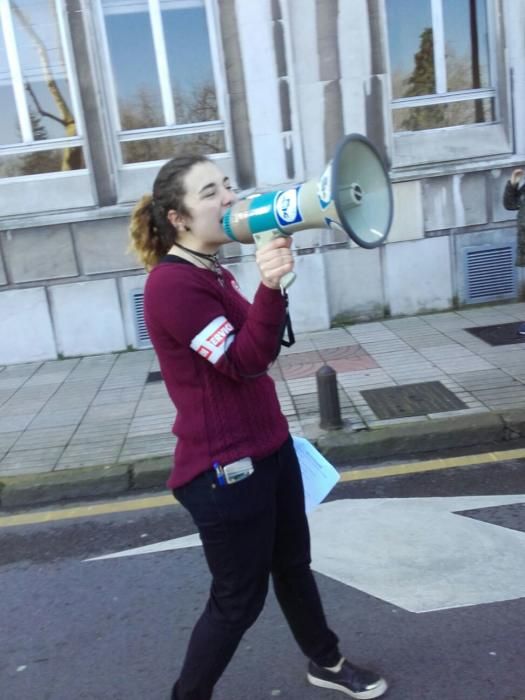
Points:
point(229, 197)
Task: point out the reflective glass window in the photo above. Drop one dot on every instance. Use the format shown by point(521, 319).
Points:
point(439, 47)
point(163, 75)
point(35, 90)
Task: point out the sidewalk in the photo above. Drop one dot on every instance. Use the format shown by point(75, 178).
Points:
point(92, 426)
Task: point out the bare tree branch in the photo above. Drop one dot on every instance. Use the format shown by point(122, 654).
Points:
point(68, 119)
point(71, 156)
point(41, 111)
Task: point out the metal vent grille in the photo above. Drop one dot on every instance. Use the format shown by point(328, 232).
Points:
point(490, 273)
point(137, 310)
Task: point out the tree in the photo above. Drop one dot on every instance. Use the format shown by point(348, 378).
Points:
point(422, 81)
point(71, 156)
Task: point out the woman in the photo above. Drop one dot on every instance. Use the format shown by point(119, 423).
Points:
point(214, 350)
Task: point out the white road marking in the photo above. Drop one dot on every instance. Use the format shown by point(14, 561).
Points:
point(416, 553)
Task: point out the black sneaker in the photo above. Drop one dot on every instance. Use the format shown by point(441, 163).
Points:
point(354, 681)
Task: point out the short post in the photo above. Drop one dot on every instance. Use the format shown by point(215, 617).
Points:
point(329, 407)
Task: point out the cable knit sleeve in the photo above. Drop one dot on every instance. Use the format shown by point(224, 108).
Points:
point(183, 304)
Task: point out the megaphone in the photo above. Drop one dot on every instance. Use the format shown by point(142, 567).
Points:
point(353, 194)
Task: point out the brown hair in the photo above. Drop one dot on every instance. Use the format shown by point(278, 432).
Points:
point(151, 234)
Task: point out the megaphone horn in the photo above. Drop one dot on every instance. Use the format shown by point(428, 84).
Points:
point(353, 194)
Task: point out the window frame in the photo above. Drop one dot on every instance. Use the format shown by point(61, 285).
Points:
point(28, 144)
point(51, 193)
point(459, 142)
point(168, 130)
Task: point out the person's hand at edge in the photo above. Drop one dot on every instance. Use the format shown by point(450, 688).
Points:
point(516, 176)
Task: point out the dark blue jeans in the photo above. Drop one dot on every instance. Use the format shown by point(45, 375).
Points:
point(250, 530)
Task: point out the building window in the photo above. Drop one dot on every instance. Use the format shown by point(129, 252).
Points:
point(39, 128)
point(449, 86)
point(440, 64)
point(164, 85)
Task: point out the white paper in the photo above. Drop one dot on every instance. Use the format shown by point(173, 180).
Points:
point(319, 476)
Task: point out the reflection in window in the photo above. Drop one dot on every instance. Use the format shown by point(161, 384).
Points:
point(9, 129)
point(132, 53)
point(161, 149)
point(163, 73)
point(452, 114)
point(189, 57)
point(34, 88)
point(48, 161)
point(439, 54)
point(410, 41)
point(467, 50)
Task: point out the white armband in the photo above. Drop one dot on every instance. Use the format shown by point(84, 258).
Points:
point(213, 341)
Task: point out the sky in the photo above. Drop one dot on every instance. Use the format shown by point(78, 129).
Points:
point(131, 46)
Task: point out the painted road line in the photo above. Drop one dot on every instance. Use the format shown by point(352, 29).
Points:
point(431, 465)
point(49, 516)
point(163, 501)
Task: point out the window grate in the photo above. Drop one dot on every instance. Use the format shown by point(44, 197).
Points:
point(490, 273)
point(137, 310)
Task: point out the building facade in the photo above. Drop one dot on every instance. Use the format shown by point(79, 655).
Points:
point(97, 94)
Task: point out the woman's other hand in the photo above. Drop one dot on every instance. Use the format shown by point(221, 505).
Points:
point(516, 176)
point(275, 260)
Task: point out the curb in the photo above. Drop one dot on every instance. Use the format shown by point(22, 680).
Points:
point(339, 447)
point(416, 437)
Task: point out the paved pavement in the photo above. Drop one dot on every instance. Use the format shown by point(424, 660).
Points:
point(90, 426)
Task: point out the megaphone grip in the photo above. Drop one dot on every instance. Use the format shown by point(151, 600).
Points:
point(287, 280)
point(264, 237)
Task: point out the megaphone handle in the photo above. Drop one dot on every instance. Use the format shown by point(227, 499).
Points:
point(264, 237)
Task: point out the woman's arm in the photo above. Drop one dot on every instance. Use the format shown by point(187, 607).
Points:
point(190, 310)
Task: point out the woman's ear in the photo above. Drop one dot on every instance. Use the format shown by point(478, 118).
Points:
point(175, 219)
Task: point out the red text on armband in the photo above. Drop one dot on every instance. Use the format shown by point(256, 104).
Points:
point(210, 343)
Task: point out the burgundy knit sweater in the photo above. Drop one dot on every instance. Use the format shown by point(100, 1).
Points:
point(214, 350)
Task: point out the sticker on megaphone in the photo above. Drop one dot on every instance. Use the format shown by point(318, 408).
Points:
point(324, 191)
point(287, 209)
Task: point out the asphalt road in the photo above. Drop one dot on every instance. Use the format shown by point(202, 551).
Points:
point(117, 628)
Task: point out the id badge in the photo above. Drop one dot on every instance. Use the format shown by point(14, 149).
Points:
point(239, 470)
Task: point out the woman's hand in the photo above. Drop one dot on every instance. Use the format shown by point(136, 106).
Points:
point(274, 260)
point(516, 176)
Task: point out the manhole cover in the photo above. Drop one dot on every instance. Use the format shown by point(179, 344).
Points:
point(411, 400)
point(502, 334)
point(153, 377)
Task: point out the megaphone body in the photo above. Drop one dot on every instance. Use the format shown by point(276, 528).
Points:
point(353, 195)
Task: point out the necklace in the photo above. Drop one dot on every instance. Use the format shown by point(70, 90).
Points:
point(210, 258)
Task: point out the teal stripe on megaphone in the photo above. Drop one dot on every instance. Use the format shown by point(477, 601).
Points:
point(261, 215)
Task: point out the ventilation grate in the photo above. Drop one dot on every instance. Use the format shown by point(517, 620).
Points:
point(137, 309)
point(490, 273)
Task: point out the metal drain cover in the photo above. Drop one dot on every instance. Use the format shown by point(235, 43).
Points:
point(411, 400)
point(153, 377)
point(501, 334)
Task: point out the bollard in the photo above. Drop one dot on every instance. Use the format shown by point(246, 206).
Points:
point(329, 407)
